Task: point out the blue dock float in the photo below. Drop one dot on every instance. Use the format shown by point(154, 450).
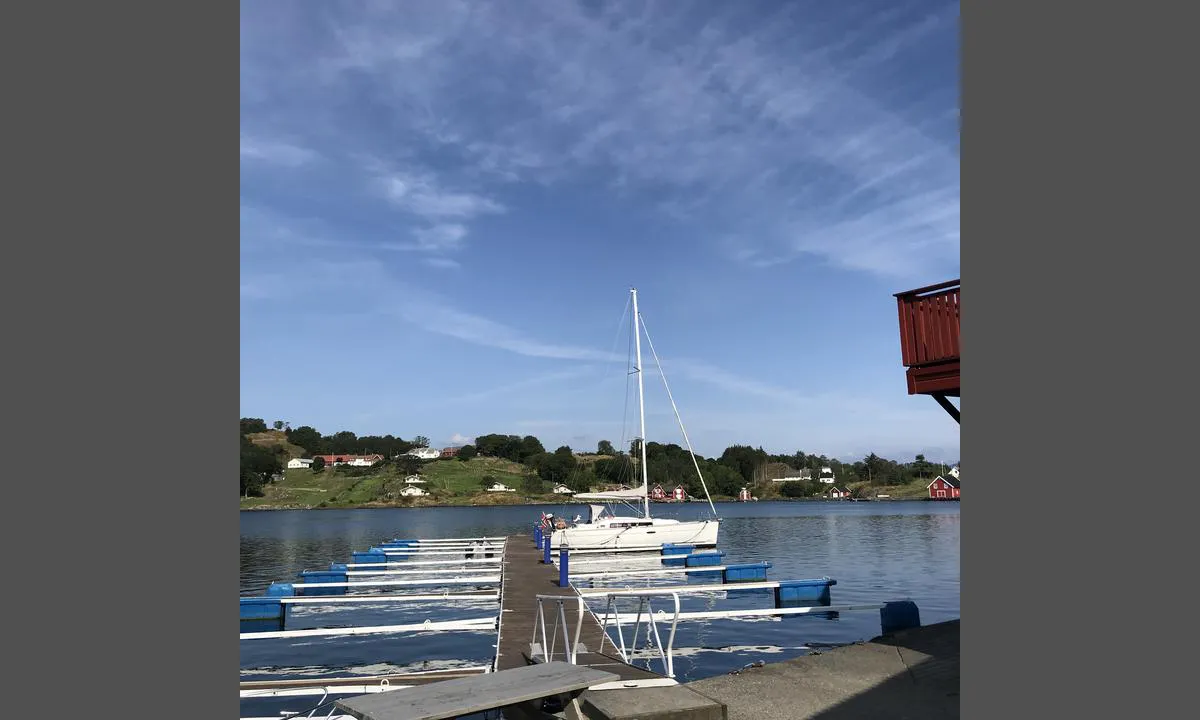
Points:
point(323, 576)
point(390, 551)
point(372, 556)
point(695, 559)
point(790, 593)
point(673, 549)
point(267, 612)
point(899, 615)
point(749, 572)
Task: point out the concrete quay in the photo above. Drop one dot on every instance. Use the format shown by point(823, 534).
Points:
point(910, 674)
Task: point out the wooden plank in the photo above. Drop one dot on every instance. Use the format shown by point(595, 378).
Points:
point(419, 676)
point(943, 378)
point(466, 696)
point(956, 327)
point(929, 288)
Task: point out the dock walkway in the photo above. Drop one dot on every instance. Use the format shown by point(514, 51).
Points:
point(524, 578)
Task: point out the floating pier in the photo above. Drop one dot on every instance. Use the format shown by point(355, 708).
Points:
point(545, 627)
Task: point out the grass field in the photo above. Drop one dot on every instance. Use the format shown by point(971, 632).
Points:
point(451, 482)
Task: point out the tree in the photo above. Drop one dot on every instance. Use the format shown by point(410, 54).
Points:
point(258, 466)
point(530, 447)
point(604, 447)
point(253, 425)
point(721, 478)
point(616, 469)
point(306, 437)
point(554, 467)
point(408, 464)
point(879, 471)
point(421, 441)
point(343, 443)
point(318, 464)
point(487, 481)
point(793, 489)
point(745, 459)
point(466, 452)
point(532, 484)
point(278, 424)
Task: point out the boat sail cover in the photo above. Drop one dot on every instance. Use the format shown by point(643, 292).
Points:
point(634, 494)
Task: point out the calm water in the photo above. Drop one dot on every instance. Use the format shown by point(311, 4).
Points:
point(876, 551)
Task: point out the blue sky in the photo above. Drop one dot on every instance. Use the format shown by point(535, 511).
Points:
point(444, 204)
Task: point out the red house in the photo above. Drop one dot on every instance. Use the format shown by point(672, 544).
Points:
point(449, 452)
point(944, 488)
point(838, 494)
point(354, 460)
point(679, 494)
point(657, 493)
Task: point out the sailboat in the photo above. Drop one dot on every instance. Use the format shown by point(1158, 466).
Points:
point(603, 528)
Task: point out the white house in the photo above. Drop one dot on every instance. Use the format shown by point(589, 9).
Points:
point(414, 480)
point(500, 487)
point(563, 490)
point(413, 491)
point(804, 476)
point(826, 476)
point(299, 463)
point(425, 453)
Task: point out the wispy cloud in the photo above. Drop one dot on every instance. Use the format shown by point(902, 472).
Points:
point(443, 263)
point(435, 315)
point(275, 152)
point(423, 196)
point(784, 134)
point(538, 381)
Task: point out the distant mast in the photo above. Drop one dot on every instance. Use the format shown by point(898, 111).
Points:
point(637, 340)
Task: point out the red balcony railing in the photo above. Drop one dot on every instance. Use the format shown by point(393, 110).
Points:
point(929, 322)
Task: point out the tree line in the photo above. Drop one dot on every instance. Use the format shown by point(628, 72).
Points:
point(666, 464)
point(261, 464)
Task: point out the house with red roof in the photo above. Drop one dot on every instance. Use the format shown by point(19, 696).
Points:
point(351, 460)
point(944, 488)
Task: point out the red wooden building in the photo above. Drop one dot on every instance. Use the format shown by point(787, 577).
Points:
point(657, 493)
point(929, 342)
point(944, 488)
point(679, 494)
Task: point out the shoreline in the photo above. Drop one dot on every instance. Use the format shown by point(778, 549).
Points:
point(537, 503)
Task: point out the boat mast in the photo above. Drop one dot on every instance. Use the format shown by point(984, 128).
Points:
point(637, 335)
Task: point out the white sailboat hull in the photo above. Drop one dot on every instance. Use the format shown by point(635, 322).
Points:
point(702, 533)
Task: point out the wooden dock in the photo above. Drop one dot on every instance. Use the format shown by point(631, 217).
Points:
point(524, 577)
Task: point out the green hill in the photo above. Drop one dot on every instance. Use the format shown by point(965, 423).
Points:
point(449, 482)
point(277, 438)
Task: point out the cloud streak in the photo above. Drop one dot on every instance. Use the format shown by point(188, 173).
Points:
point(276, 152)
point(784, 133)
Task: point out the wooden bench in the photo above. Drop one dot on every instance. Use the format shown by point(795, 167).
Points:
point(467, 696)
